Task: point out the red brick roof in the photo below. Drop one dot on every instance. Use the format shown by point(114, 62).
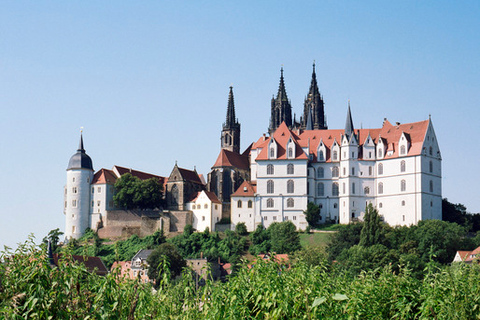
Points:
point(92, 263)
point(281, 136)
point(246, 189)
point(228, 158)
point(104, 176)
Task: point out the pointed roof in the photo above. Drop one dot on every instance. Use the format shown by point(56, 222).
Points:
point(104, 176)
point(281, 136)
point(228, 158)
point(210, 195)
point(282, 93)
point(80, 160)
point(185, 175)
point(139, 174)
point(313, 84)
point(230, 121)
point(349, 122)
point(246, 189)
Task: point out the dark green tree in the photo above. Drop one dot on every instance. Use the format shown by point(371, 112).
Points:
point(261, 241)
point(165, 254)
point(152, 192)
point(133, 193)
point(372, 231)
point(53, 236)
point(241, 229)
point(284, 237)
point(312, 214)
point(346, 237)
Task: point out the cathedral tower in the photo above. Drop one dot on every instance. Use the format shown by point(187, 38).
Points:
point(281, 108)
point(77, 193)
point(230, 139)
point(314, 107)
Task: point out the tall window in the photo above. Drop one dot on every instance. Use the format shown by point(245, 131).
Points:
point(321, 155)
point(290, 203)
point(270, 203)
point(290, 168)
point(250, 203)
point(290, 152)
point(380, 188)
point(343, 188)
point(430, 151)
point(320, 189)
point(353, 171)
point(430, 166)
point(270, 169)
point(353, 187)
point(431, 186)
point(272, 153)
point(402, 166)
point(335, 172)
point(320, 172)
point(74, 203)
point(366, 190)
point(370, 170)
point(335, 155)
point(335, 189)
point(380, 153)
point(270, 188)
point(403, 185)
point(402, 150)
point(290, 186)
point(380, 168)
point(239, 204)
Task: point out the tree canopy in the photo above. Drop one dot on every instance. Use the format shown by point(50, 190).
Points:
point(312, 214)
point(134, 193)
point(165, 260)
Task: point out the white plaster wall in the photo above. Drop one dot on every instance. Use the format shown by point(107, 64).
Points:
point(77, 218)
point(243, 214)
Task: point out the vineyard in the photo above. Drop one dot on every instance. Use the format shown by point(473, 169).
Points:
point(31, 289)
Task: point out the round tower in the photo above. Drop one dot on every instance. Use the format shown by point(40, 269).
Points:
point(77, 193)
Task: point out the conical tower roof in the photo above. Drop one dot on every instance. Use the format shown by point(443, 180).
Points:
point(80, 160)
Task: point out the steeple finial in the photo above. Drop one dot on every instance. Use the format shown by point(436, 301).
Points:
point(80, 145)
point(230, 120)
point(282, 92)
point(349, 123)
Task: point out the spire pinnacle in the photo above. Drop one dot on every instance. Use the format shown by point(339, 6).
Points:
point(349, 122)
point(230, 119)
point(282, 93)
point(80, 145)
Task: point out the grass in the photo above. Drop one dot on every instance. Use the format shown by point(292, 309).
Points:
point(317, 239)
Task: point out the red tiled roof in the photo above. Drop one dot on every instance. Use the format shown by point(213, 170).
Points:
point(104, 176)
point(139, 174)
point(281, 136)
point(92, 263)
point(228, 158)
point(246, 189)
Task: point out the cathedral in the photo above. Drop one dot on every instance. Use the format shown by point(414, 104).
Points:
point(395, 167)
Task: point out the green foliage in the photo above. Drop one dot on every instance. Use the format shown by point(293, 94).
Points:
point(372, 230)
point(134, 193)
point(312, 214)
point(261, 241)
point(241, 229)
point(53, 236)
point(346, 237)
point(165, 259)
point(283, 237)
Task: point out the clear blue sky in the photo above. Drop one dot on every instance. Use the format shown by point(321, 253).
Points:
point(148, 80)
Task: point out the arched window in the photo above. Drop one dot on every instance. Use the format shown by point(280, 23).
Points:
point(430, 151)
point(380, 168)
point(320, 172)
point(402, 166)
point(321, 156)
point(272, 153)
point(335, 155)
point(366, 190)
point(174, 193)
point(270, 188)
point(290, 152)
point(270, 203)
point(430, 166)
point(290, 203)
point(380, 188)
point(290, 186)
point(270, 169)
point(290, 168)
point(250, 203)
point(380, 153)
point(403, 203)
point(335, 189)
point(335, 172)
point(239, 204)
point(431, 186)
point(403, 185)
point(402, 150)
point(320, 189)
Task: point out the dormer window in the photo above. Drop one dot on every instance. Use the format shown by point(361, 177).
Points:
point(272, 153)
point(321, 156)
point(335, 155)
point(380, 153)
point(402, 150)
point(290, 152)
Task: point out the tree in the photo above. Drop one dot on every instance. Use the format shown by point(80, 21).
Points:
point(312, 214)
point(372, 230)
point(260, 240)
point(284, 237)
point(133, 193)
point(241, 229)
point(165, 255)
point(347, 236)
point(53, 236)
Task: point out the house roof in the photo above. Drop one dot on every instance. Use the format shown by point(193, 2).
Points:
point(246, 189)
point(228, 158)
point(104, 176)
point(142, 254)
point(119, 171)
point(310, 139)
point(189, 175)
point(91, 263)
point(210, 195)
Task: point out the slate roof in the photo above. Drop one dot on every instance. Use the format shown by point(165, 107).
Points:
point(190, 175)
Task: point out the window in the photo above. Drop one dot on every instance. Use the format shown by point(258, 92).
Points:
point(65, 204)
point(270, 188)
point(320, 189)
point(205, 206)
point(74, 189)
point(343, 188)
point(353, 171)
point(380, 168)
point(335, 172)
point(403, 217)
point(335, 155)
point(270, 169)
point(335, 189)
point(193, 207)
point(93, 203)
point(431, 186)
point(320, 172)
point(265, 218)
point(73, 229)
point(403, 204)
point(430, 166)
point(88, 180)
point(335, 206)
point(290, 203)
point(270, 203)
point(344, 171)
point(290, 168)
point(290, 186)
point(239, 204)
point(73, 180)
point(294, 217)
point(98, 203)
point(403, 150)
point(216, 206)
point(353, 188)
point(403, 185)
point(380, 153)
point(99, 189)
point(380, 205)
point(370, 170)
point(74, 203)
point(430, 151)
point(366, 190)
point(353, 154)
point(380, 188)
point(93, 189)
point(402, 166)
point(249, 203)
point(203, 218)
point(290, 152)
point(321, 156)
point(274, 218)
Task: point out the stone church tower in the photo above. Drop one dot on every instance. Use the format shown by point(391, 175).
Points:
point(281, 108)
point(230, 139)
point(314, 109)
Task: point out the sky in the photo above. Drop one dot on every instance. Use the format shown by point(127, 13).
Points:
point(148, 81)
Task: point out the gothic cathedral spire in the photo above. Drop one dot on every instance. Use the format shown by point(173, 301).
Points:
point(314, 104)
point(349, 122)
point(280, 107)
point(230, 139)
